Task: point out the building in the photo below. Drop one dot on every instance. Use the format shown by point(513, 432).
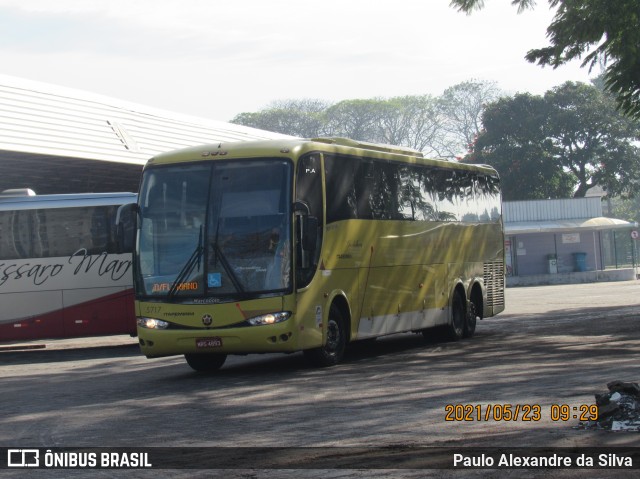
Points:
point(59, 140)
point(567, 241)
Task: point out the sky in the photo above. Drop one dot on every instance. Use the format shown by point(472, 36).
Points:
point(217, 58)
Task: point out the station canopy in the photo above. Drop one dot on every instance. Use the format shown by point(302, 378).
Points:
point(559, 215)
point(60, 140)
point(576, 225)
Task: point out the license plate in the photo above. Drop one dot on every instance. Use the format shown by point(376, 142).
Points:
point(206, 343)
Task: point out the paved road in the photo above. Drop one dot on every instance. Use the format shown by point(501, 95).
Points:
point(553, 345)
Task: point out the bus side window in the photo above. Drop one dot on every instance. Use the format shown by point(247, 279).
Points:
point(17, 237)
point(100, 229)
point(24, 234)
point(341, 194)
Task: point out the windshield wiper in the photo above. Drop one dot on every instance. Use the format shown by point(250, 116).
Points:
point(217, 253)
point(227, 267)
point(186, 270)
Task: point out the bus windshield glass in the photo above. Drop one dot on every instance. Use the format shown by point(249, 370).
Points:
point(218, 230)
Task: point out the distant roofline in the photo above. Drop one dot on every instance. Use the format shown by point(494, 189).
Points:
point(58, 139)
point(85, 95)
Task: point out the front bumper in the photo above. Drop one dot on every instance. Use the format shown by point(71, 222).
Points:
point(272, 338)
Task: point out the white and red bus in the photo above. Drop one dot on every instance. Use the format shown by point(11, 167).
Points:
point(60, 273)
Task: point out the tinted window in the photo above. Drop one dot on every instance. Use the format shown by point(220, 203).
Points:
point(379, 189)
point(341, 192)
point(58, 232)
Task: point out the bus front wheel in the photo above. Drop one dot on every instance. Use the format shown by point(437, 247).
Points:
point(205, 362)
point(333, 350)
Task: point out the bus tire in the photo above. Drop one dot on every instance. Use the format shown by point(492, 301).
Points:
point(205, 362)
point(333, 350)
point(455, 329)
point(471, 320)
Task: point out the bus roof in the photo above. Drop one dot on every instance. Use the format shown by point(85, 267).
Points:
point(399, 150)
point(253, 149)
point(8, 203)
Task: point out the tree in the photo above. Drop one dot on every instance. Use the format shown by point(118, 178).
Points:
point(625, 208)
point(593, 141)
point(559, 145)
point(355, 119)
point(514, 141)
point(605, 32)
point(411, 121)
point(462, 106)
point(302, 118)
point(440, 127)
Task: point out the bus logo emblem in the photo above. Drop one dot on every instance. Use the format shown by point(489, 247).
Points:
point(207, 320)
point(23, 458)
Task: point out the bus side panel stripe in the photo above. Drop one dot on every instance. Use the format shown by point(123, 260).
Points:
point(111, 314)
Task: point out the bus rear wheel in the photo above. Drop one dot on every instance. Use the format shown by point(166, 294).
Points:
point(333, 350)
point(205, 362)
point(471, 320)
point(456, 328)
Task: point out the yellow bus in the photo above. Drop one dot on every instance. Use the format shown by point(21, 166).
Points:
point(309, 245)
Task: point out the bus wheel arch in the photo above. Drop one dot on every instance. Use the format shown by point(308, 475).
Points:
point(338, 327)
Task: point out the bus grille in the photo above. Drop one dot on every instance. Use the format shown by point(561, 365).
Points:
point(494, 283)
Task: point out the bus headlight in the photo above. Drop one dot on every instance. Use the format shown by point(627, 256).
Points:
point(150, 323)
point(270, 318)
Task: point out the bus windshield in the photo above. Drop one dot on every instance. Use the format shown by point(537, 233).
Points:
point(219, 229)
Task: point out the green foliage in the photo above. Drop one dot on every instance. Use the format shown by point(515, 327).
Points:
point(559, 145)
point(356, 119)
point(592, 140)
point(515, 142)
point(468, 6)
point(462, 106)
point(600, 32)
point(440, 127)
point(301, 118)
point(624, 208)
